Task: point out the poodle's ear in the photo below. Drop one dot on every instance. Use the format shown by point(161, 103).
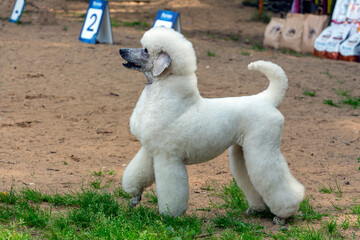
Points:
point(161, 63)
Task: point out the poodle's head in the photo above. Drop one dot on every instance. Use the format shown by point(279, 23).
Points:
point(164, 51)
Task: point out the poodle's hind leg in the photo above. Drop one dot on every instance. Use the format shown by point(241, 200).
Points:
point(268, 169)
point(240, 174)
point(138, 175)
point(172, 185)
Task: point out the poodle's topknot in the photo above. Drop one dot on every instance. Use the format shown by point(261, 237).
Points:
point(180, 50)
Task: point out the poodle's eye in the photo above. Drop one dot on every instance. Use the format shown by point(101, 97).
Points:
point(146, 50)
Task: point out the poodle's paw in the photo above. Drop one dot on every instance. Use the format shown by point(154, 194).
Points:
point(250, 211)
point(279, 221)
point(135, 200)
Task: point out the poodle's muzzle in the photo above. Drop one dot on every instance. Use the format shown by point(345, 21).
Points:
point(136, 58)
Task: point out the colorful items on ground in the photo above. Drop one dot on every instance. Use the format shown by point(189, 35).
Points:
point(308, 33)
point(341, 40)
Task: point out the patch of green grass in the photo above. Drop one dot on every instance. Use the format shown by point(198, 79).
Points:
point(65, 28)
point(13, 232)
point(98, 173)
point(307, 212)
point(300, 232)
point(102, 173)
point(352, 101)
point(341, 82)
point(337, 207)
point(346, 223)
point(204, 209)
point(309, 93)
point(115, 23)
point(245, 53)
point(347, 98)
point(324, 189)
point(327, 73)
point(257, 47)
point(333, 229)
point(79, 15)
point(234, 38)
point(208, 187)
point(232, 197)
point(140, 24)
point(99, 214)
point(330, 102)
point(211, 54)
point(338, 191)
point(119, 192)
point(92, 215)
point(356, 210)
point(234, 202)
point(342, 92)
point(111, 172)
point(97, 184)
point(152, 198)
point(330, 189)
point(230, 221)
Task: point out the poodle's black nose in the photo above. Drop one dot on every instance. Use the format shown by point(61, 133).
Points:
point(124, 52)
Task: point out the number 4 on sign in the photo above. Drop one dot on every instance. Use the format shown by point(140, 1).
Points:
point(17, 11)
point(97, 24)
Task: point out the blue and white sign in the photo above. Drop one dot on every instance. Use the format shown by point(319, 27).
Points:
point(17, 11)
point(167, 19)
point(97, 24)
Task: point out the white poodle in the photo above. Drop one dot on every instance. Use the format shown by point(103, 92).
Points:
point(177, 127)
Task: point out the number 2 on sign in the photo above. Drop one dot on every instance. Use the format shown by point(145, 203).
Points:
point(92, 23)
point(95, 18)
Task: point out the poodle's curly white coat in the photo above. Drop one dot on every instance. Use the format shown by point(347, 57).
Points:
point(176, 127)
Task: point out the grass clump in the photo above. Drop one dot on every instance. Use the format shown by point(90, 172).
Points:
point(330, 189)
point(354, 102)
point(257, 47)
point(330, 102)
point(139, 24)
point(211, 54)
point(151, 196)
point(90, 214)
point(234, 202)
point(307, 212)
point(347, 99)
point(327, 73)
point(327, 190)
point(99, 214)
point(309, 93)
point(102, 173)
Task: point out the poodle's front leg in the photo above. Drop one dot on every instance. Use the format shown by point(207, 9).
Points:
point(138, 175)
point(172, 185)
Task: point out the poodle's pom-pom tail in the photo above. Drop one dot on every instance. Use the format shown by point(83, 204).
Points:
point(277, 77)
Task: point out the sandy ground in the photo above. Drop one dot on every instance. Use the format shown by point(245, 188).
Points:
point(65, 105)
